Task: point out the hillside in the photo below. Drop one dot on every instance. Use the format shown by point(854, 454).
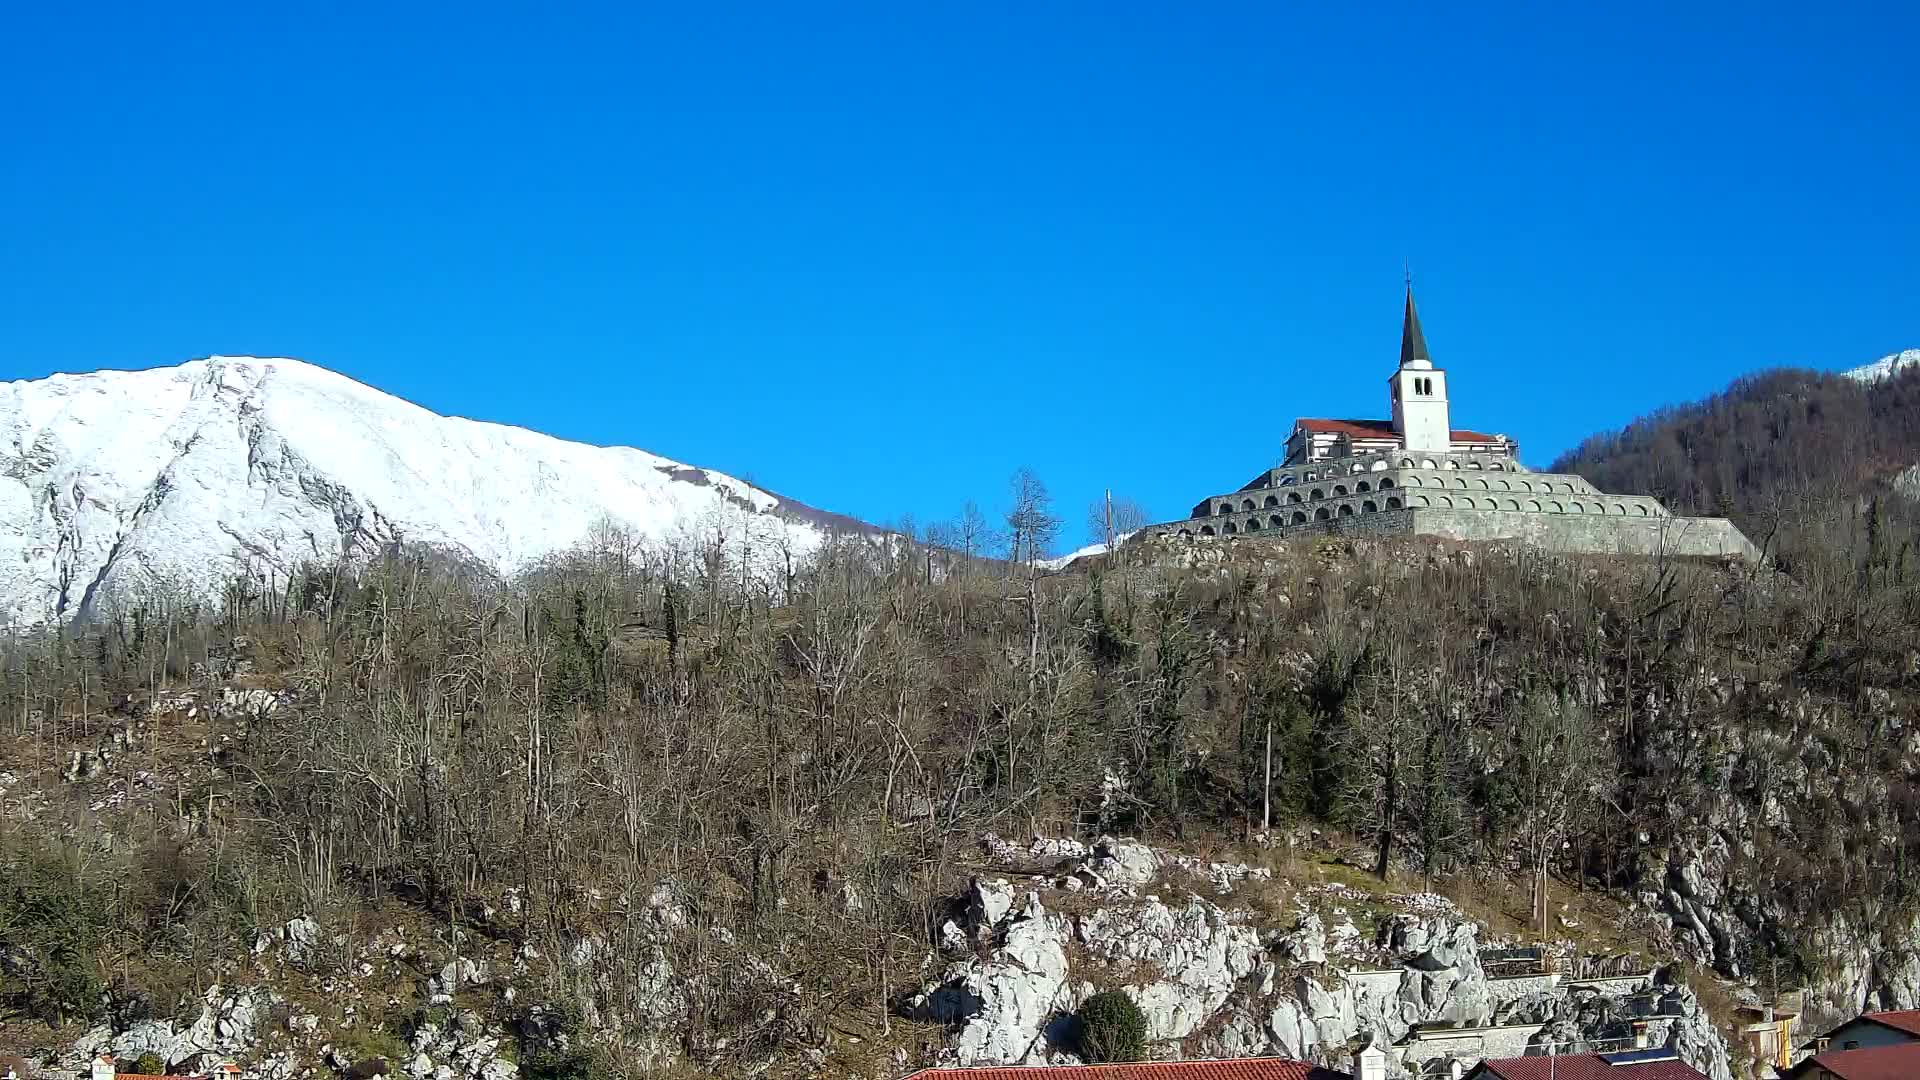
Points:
point(618, 814)
point(626, 809)
point(162, 485)
point(1782, 452)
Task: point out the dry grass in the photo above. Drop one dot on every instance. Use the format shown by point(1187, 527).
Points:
point(22, 1036)
point(1271, 901)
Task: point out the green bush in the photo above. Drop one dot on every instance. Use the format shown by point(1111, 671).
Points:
point(576, 1063)
point(552, 1046)
point(150, 1065)
point(367, 1045)
point(1112, 1028)
point(52, 924)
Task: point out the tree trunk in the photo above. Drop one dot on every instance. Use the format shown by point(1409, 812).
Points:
point(1540, 889)
point(1266, 789)
point(1388, 814)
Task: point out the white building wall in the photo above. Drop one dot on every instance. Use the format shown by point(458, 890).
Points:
point(1420, 412)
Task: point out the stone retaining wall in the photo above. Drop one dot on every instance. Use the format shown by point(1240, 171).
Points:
point(1678, 536)
point(1570, 533)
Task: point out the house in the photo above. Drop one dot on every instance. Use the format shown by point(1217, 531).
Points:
point(1894, 1061)
point(1229, 1069)
point(1767, 1031)
point(13, 1067)
point(1870, 1030)
point(1657, 1064)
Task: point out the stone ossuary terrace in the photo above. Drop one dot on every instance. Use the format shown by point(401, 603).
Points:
point(1416, 474)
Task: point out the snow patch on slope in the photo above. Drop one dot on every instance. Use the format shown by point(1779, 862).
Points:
point(1908, 482)
point(1061, 562)
point(120, 483)
point(1885, 366)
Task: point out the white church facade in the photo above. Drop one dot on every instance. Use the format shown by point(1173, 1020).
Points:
point(1420, 420)
point(1414, 473)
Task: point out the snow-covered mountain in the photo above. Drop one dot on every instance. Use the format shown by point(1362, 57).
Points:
point(118, 483)
point(1885, 366)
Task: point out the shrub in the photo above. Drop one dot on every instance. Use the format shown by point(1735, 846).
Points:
point(52, 923)
point(1112, 1028)
point(150, 1065)
point(552, 1046)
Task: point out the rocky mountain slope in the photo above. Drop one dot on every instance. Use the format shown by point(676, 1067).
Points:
point(117, 485)
point(1886, 366)
point(468, 832)
point(1315, 980)
point(625, 814)
point(1333, 968)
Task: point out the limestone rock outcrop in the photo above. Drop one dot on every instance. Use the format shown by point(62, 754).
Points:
point(1009, 971)
point(999, 1002)
point(1188, 959)
point(228, 1025)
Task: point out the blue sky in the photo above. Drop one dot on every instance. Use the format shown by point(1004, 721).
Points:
point(877, 257)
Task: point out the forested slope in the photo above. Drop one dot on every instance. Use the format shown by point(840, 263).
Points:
point(1781, 452)
point(803, 768)
point(686, 805)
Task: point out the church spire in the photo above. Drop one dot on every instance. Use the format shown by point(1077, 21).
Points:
point(1413, 343)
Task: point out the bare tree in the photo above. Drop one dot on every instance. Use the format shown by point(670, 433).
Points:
point(1109, 518)
point(1554, 777)
point(1032, 525)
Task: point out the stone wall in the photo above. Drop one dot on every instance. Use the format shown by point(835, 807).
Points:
point(1553, 493)
point(1312, 498)
point(1467, 1045)
point(1506, 991)
point(1593, 534)
point(1614, 985)
point(1590, 534)
point(1354, 523)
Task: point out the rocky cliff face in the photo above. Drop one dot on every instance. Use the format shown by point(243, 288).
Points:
point(1213, 976)
point(1215, 980)
point(1722, 901)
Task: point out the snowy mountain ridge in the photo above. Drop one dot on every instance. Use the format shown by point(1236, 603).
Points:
point(1885, 366)
point(118, 484)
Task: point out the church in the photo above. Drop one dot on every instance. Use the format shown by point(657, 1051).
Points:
point(1414, 473)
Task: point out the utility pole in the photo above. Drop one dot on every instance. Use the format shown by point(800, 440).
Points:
point(1266, 790)
point(1109, 520)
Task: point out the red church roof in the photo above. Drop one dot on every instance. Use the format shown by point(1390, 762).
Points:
point(1374, 429)
point(1585, 1067)
point(1235, 1069)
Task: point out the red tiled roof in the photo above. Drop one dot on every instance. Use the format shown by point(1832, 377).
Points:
point(1898, 1062)
point(1234, 1069)
point(1374, 429)
point(1907, 1020)
point(1585, 1067)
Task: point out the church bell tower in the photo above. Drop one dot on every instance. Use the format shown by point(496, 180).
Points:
point(1419, 391)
